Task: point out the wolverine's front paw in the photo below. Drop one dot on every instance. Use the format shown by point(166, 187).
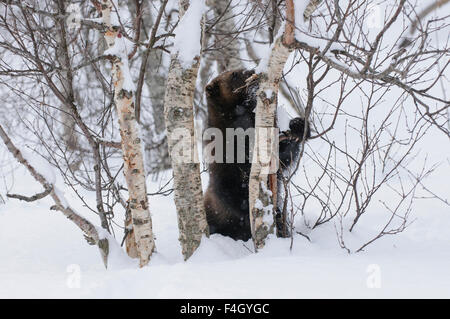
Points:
point(297, 128)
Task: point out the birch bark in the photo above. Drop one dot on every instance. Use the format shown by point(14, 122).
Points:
point(131, 141)
point(179, 117)
point(261, 207)
point(260, 200)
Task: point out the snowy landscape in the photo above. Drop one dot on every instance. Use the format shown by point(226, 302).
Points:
point(367, 207)
point(50, 259)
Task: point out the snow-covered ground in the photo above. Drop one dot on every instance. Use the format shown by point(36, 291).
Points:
point(44, 255)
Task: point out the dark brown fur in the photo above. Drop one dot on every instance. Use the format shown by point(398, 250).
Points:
point(231, 103)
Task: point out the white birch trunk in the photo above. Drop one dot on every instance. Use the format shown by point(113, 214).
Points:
point(261, 211)
point(260, 201)
point(179, 117)
point(310, 8)
point(69, 134)
point(131, 145)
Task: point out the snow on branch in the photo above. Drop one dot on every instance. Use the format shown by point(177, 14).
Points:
point(187, 43)
point(93, 234)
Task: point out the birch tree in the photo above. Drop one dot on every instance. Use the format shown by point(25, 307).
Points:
point(66, 86)
point(269, 72)
point(391, 56)
point(91, 233)
point(179, 117)
point(134, 171)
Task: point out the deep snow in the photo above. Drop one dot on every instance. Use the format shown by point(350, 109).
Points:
point(44, 255)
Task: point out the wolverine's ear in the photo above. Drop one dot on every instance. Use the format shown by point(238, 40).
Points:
point(212, 89)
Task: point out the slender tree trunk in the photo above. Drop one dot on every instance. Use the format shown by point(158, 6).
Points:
point(70, 113)
point(228, 56)
point(310, 8)
point(154, 78)
point(131, 140)
point(179, 117)
point(260, 200)
point(156, 83)
point(68, 122)
point(90, 230)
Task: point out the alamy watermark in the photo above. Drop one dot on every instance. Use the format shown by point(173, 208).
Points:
point(73, 280)
point(253, 145)
point(374, 278)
